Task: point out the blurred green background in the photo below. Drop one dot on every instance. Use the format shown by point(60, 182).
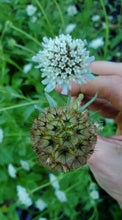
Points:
point(23, 24)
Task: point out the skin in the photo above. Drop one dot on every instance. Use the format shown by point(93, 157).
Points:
point(106, 161)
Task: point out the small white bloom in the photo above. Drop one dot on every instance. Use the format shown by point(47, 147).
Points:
point(11, 171)
point(94, 194)
point(109, 121)
point(54, 181)
point(95, 18)
point(39, 14)
point(99, 42)
point(27, 67)
point(25, 165)
point(33, 19)
point(23, 196)
point(30, 10)
point(61, 196)
point(40, 204)
point(42, 218)
point(1, 135)
point(63, 60)
point(104, 25)
point(70, 28)
point(72, 10)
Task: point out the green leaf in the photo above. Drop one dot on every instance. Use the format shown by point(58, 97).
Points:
point(52, 102)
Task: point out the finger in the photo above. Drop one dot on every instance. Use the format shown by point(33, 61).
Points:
point(106, 68)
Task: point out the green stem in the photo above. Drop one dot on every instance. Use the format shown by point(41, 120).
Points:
point(46, 184)
point(95, 214)
point(61, 15)
point(27, 35)
point(20, 105)
point(107, 29)
point(24, 48)
point(45, 16)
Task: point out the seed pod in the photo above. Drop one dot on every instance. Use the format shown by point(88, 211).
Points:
point(63, 138)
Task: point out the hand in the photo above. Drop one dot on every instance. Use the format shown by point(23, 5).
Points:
point(106, 161)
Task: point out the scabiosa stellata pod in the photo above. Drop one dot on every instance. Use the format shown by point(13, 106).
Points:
point(63, 138)
point(62, 60)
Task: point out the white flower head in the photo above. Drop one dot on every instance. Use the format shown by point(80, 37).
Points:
point(54, 181)
point(99, 42)
point(63, 59)
point(11, 171)
point(70, 28)
point(95, 18)
point(30, 10)
point(61, 196)
point(27, 67)
point(23, 196)
point(94, 194)
point(42, 218)
point(25, 165)
point(33, 19)
point(1, 135)
point(40, 204)
point(72, 10)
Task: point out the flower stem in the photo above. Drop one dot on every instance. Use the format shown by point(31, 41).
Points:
point(107, 29)
point(20, 105)
point(61, 15)
point(24, 48)
point(45, 16)
point(27, 35)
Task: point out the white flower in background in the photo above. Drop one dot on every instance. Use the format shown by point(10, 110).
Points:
point(61, 196)
point(54, 181)
point(95, 18)
point(109, 121)
point(11, 171)
point(39, 14)
point(30, 10)
point(40, 204)
point(99, 42)
point(104, 25)
point(33, 19)
point(25, 165)
point(92, 186)
point(94, 194)
point(42, 218)
point(72, 10)
point(23, 196)
point(70, 28)
point(1, 135)
point(27, 67)
point(63, 59)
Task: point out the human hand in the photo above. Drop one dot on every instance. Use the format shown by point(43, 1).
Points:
point(106, 161)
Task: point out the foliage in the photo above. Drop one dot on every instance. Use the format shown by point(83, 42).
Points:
point(22, 96)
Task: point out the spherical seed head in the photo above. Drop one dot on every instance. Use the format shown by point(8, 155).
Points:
point(63, 138)
point(63, 59)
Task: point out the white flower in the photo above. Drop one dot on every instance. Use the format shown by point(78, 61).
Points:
point(33, 19)
point(61, 196)
point(42, 218)
point(63, 59)
point(94, 194)
point(70, 28)
point(99, 42)
point(23, 196)
point(109, 121)
point(27, 67)
point(30, 10)
point(1, 135)
point(72, 10)
point(25, 165)
point(54, 181)
point(40, 204)
point(95, 18)
point(11, 171)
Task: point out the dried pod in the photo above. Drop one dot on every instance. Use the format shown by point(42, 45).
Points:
point(63, 138)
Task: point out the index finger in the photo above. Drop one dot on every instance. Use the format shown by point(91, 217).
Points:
point(106, 68)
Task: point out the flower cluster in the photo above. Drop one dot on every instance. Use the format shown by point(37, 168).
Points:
point(40, 204)
point(63, 60)
point(23, 196)
point(1, 135)
point(11, 171)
